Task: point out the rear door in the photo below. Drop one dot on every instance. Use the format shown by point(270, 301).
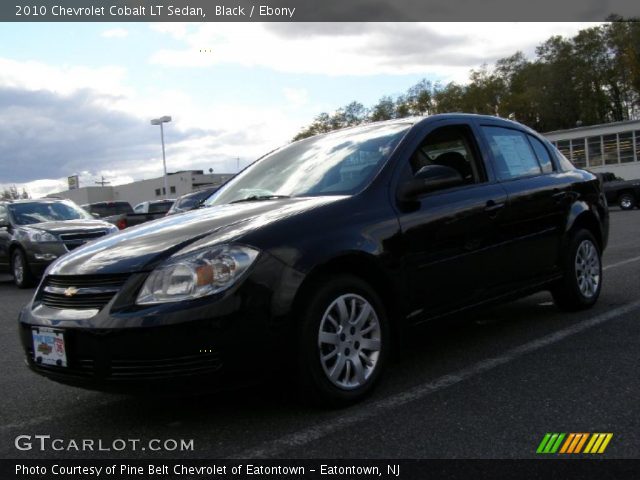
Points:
point(539, 197)
point(449, 236)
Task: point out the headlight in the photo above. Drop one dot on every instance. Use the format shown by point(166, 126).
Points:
point(39, 236)
point(196, 275)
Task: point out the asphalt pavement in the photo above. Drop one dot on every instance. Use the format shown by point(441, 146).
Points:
point(488, 385)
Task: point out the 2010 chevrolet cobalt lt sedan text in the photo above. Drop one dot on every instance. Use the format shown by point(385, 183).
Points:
point(319, 255)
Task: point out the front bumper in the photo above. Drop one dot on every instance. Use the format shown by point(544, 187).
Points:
point(223, 340)
point(41, 255)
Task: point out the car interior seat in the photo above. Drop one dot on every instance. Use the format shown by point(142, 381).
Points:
point(456, 161)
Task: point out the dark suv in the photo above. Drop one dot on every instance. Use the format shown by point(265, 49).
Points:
point(318, 255)
point(33, 233)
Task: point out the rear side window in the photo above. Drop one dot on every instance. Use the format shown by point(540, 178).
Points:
point(513, 155)
point(542, 153)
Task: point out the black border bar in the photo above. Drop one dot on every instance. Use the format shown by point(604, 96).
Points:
point(314, 10)
point(544, 468)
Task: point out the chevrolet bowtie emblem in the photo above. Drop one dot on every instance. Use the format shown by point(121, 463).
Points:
point(70, 291)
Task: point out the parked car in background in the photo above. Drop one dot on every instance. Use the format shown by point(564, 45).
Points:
point(34, 233)
point(123, 216)
point(625, 193)
point(108, 209)
point(154, 206)
point(191, 201)
point(317, 257)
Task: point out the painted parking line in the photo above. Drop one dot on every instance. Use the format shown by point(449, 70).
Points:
point(621, 263)
point(380, 407)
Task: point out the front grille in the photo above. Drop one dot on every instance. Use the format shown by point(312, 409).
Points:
point(74, 240)
point(84, 236)
point(167, 367)
point(80, 292)
point(132, 370)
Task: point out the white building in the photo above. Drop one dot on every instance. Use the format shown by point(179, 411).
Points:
point(611, 147)
point(179, 184)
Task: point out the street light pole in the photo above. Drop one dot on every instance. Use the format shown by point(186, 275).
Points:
point(160, 121)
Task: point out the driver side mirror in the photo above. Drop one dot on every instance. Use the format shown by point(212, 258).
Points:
point(429, 179)
point(4, 222)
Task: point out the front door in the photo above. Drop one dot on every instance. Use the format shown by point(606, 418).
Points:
point(449, 236)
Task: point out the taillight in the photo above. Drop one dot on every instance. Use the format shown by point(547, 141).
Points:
point(122, 223)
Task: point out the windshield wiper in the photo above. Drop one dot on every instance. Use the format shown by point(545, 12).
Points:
point(257, 198)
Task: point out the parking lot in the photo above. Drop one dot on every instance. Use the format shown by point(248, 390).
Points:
point(488, 385)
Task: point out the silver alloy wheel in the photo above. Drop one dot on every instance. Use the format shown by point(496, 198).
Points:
point(588, 268)
point(349, 341)
point(18, 268)
point(625, 202)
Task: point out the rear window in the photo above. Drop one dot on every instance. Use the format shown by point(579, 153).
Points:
point(109, 209)
point(161, 207)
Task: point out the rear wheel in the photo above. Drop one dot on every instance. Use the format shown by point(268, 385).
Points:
point(627, 201)
point(580, 287)
point(343, 341)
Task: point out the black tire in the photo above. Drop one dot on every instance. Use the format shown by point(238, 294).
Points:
point(19, 261)
point(314, 381)
point(627, 201)
point(567, 293)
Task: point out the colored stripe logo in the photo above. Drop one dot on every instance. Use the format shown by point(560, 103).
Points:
point(568, 443)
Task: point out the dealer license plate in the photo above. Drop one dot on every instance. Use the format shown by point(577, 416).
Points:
point(48, 347)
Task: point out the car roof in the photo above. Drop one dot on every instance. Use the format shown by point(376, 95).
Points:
point(420, 120)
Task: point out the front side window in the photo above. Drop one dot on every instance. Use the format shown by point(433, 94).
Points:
point(338, 163)
point(37, 212)
point(512, 153)
point(451, 146)
point(139, 208)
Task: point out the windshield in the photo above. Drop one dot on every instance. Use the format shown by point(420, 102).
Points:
point(38, 212)
point(339, 163)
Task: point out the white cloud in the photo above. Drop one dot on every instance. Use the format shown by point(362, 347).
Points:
point(447, 50)
point(296, 97)
point(64, 79)
point(115, 33)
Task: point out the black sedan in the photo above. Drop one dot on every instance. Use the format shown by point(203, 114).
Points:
point(318, 256)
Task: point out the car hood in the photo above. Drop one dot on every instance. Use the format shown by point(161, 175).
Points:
point(63, 226)
point(142, 247)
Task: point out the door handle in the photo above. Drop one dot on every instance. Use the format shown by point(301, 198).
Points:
point(559, 196)
point(492, 207)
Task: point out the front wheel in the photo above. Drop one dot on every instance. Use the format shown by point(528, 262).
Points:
point(343, 341)
point(580, 287)
point(22, 276)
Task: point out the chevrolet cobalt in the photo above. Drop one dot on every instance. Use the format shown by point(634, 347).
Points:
point(318, 256)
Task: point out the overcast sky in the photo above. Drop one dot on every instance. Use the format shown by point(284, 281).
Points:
point(77, 98)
